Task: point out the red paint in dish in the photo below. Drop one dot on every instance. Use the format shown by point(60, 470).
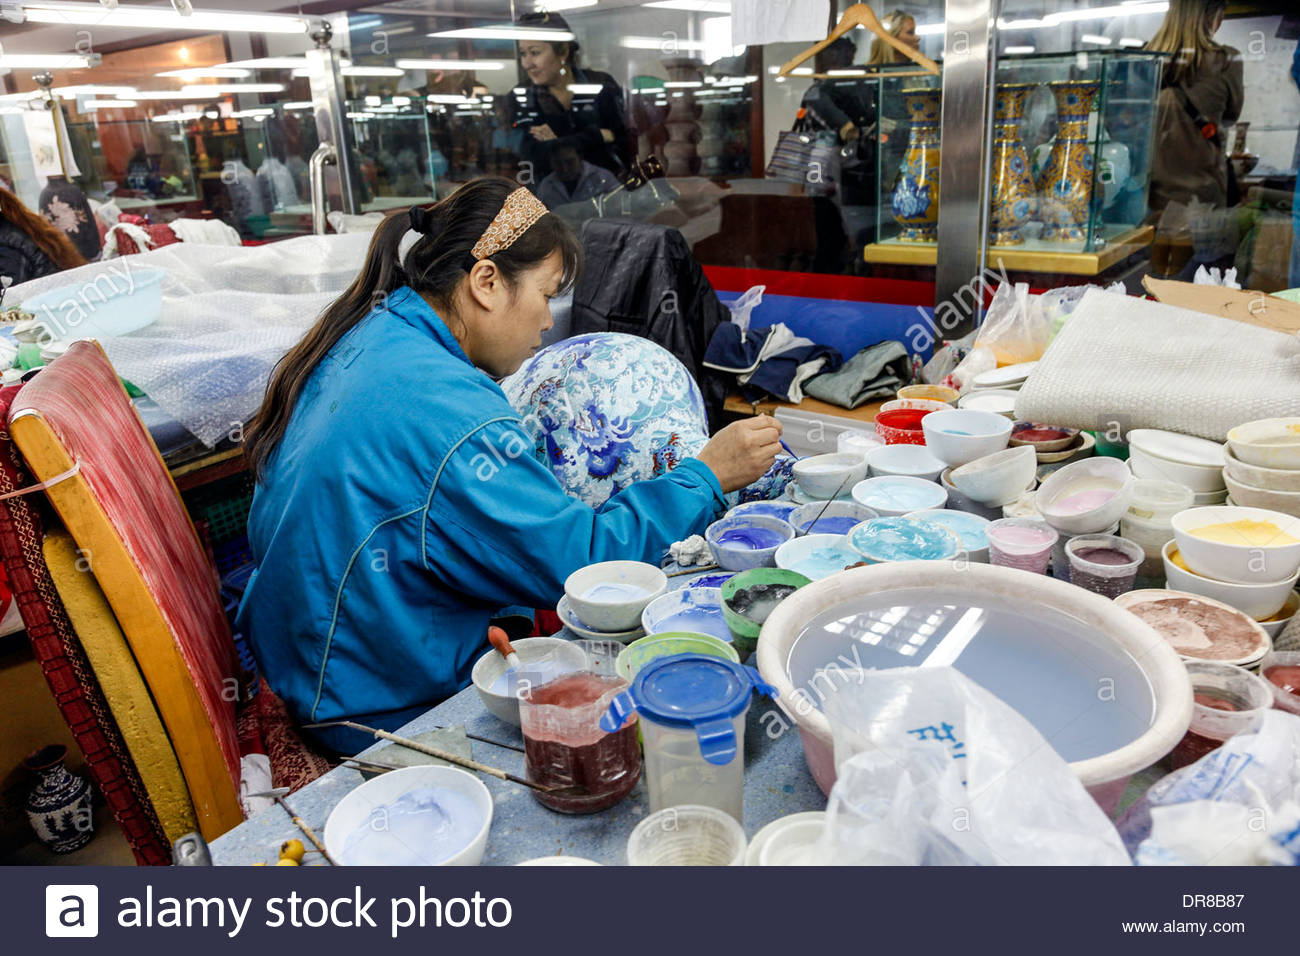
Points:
point(908, 419)
point(1036, 435)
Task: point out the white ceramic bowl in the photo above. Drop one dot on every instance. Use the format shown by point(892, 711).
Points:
point(1176, 447)
point(1287, 502)
point(792, 555)
point(972, 529)
point(962, 435)
point(805, 515)
point(855, 441)
point(772, 508)
point(657, 618)
point(1244, 563)
point(924, 404)
point(1091, 474)
point(892, 496)
point(1199, 478)
point(1202, 498)
point(1268, 443)
point(356, 808)
point(822, 475)
point(914, 461)
point(999, 401)
point(930, 393)
point(531, 650)
point(613, 615)
point(559, 861)
point(1282, 618)
point(959, 502)
point(997, 478)
point(1106, 775)
point(760, 839)
point(1257, 639)
point(1270, 479)
point(1260, 601)
point(791, 844)
point(732, 557)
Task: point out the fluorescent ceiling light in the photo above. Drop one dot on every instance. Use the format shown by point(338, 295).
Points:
point(44, 61)
point(217, 89)
point(401, 101)
point(1132, 42)
point(1013, 50)
point(733, 80)
point(369, 71)
point(271, 63)
point(299, 105)
point(1105, 13)
point(162, 95)
point(846, 72)
point(658, 43)
point(107, 104)
point(209, 72)
point(648, 91)
point(683, 84)
point(1094, 39)
point(248, 114)
point(694, 6)
point(1030, 24)
point(455, 99)
point(505, 33)
point(160, 18)
point(92, 89)
point(445, 64)
point(586, 89)
point(929, 29)
point(175, 117)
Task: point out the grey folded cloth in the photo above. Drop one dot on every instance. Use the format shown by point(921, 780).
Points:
point(875, 372)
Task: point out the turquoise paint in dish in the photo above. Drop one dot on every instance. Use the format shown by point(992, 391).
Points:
point(904, 539)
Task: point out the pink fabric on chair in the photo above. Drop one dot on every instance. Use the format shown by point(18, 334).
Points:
point(82, 401)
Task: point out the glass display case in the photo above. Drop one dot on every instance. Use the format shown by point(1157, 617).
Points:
point(397, 160)
point(1068, 168)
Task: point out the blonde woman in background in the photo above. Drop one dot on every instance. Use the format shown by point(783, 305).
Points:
point(1201, 95)
point(901, 26)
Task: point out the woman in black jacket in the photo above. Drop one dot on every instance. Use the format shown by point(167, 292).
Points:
point(562, 103)
point(30, 247)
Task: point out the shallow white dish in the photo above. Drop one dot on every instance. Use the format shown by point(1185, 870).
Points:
point(760, 839)
point(1260, 601)
point(806, 515)
point(999, 401)
point(793, 555)
point(1185, 634)
point(823, 476)
point(971, 529)
point(1268, 443)
point(613, 614)
point(1004, 376)
point(1242, 563)
point(1271, 479)
point(1176, 447)
point(565, 613)
point(793, 493)
point(914, 461)
point(893, 496)
point(998, 478)
point(791, 843)
point(964, 434)
point(357, 806)
point(1202, 479)
point(489, 667)
point(559, 861)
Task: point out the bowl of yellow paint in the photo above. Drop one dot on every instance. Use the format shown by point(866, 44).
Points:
point(1268, 443)
point(1238, 545)
point(1260, 601)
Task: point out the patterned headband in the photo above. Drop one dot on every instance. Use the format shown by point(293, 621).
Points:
point(518, 214)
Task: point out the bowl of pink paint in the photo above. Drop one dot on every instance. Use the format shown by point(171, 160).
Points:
point(1022, 543)
point(1086, 497)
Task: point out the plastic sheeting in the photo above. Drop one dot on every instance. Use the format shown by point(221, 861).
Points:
point(228, 315)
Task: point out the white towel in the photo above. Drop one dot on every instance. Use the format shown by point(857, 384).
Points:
point(208, 232)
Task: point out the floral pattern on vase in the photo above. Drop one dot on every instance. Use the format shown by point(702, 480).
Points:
point(915, 198)
point(1013, 200)
point(59, 807)
point(608, 409)
point(1065, 183)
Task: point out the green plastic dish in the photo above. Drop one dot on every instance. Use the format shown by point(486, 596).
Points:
point(744, 632)
point(643, 650)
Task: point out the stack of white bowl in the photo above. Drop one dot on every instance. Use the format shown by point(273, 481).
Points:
point(1262, 465)
point(1254, 576)
point(1149, 523)
point(1194, 463)
point(995, 390)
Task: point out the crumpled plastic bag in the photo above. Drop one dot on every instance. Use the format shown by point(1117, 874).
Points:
point(742, 307)
point(977, 360)
point(935, 770)
point(1238, 805)
point(1014, 326)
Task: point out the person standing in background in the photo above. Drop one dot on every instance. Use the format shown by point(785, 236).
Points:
point(1202, 93)
point(30, 247)
point(901, 26)
point(563, 103)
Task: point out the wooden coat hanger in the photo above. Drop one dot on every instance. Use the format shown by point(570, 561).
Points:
point(862, 15)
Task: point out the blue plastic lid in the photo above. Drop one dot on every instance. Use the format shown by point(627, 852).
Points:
point(694, 692)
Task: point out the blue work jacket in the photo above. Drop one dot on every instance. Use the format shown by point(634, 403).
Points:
point(402, 509)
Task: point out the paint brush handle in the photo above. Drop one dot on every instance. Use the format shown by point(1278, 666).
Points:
point(498, 639)
point(465, 762)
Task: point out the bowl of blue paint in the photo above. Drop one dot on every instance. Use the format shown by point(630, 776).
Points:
point(610, 595)
point(771, 509)
point(747, 541)
point(971, 529)
point(817, 556)
point(692, 610)
point(830, 517)
point(882, 540)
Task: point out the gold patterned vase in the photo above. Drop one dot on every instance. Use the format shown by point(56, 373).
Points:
point(1012, 203)
point(915, 199)
point(1065, 183)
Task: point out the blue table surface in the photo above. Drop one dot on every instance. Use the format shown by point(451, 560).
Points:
point(777, 782)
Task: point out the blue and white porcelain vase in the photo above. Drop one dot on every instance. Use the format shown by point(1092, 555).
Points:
point(59, 808)
point(915, 199)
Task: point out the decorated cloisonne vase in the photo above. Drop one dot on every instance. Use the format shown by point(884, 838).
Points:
point(1013, 200)
point(59, 807)
point(1065, 183)
point(915, 199)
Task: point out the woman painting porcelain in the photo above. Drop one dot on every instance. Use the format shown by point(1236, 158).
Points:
point(400, 507)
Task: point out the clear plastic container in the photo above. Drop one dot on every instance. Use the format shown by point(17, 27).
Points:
point(1157, 501)
point(1281, 670)
point(687, 836)
point(1228, 700)
point(1104, 564)
point(1061, 563)
point(1024, 543)
point(692, 709)
point(1151, 536)
point(565, 745)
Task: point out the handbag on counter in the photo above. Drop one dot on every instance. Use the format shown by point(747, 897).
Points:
point(807, 157)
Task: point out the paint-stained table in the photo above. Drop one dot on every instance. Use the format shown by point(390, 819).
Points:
point(777, 782)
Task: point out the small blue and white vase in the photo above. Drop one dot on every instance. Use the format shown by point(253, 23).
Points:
point(59, 808)
point(914, 200)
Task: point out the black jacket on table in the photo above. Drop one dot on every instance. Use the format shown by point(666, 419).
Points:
point(578, 126)
point(21, 258)
point(641, 279)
